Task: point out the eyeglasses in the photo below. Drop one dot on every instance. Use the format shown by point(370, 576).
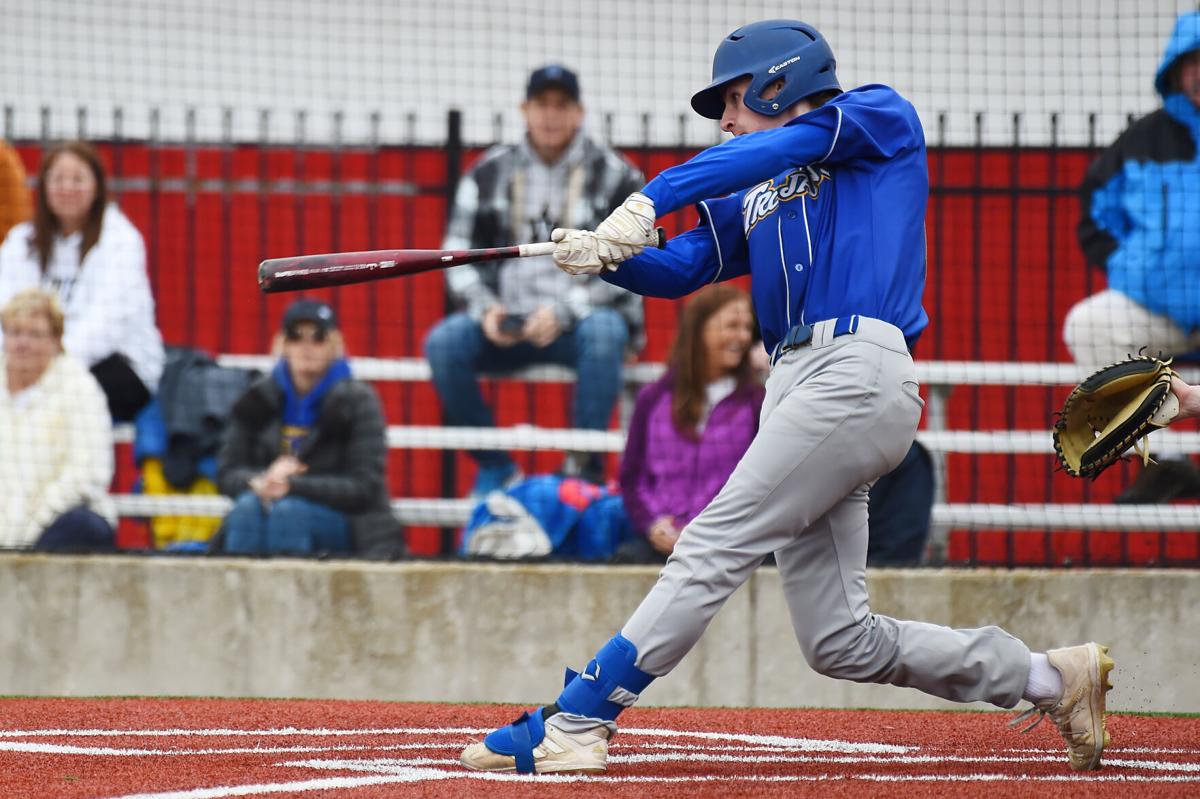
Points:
point(317, 336)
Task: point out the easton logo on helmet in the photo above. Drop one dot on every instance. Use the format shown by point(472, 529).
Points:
point(778, 67)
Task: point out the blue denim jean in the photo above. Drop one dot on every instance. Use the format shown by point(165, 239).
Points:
point(458, 352)
point(292, 526)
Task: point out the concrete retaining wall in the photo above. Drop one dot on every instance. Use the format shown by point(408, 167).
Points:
point(417, 631)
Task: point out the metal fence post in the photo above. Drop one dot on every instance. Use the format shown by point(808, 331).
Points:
point(454, 159)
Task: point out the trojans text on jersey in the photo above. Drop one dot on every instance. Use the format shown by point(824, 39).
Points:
point(762, 200)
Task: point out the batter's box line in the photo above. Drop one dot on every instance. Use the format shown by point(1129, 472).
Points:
point(1132, 750)
point(426, 774)
point(41, 747)
point(802, 744)
point(219, 732)
point(394, 765)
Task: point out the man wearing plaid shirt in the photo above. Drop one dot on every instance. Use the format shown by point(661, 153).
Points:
point(527, 311)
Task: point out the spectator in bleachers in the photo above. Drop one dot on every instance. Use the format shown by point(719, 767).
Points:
point(900, 511)
point(14, 194)
point(1141, 224)
point(526, 311)
point(86, 251)
point(691, 426)
point(305, 453)
point(56, 444)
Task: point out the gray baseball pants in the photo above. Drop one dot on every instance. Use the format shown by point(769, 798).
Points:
point(838, 414)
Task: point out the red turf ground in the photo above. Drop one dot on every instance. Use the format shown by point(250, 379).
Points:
point(196, 749)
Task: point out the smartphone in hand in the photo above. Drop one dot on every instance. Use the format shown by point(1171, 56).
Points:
point(512, 324)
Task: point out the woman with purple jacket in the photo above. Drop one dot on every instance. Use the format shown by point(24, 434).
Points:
point(691, 426)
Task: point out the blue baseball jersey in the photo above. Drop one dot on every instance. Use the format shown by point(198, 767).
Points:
point(826, 213)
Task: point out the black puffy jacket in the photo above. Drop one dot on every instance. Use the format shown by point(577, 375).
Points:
point(346, 456)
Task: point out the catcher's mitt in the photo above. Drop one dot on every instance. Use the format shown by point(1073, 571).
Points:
point(1111, 411)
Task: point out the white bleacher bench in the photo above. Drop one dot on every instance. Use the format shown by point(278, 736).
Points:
point(527, 438)
point(455, 512)
point(930, 373)
point(416, 370)
point(939, 377)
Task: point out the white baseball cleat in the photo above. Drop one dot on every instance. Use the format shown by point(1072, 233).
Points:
point(559, 752)
point(1079, 714)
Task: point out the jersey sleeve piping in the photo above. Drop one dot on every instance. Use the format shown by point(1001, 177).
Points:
point(836, 131)
point(716, 241)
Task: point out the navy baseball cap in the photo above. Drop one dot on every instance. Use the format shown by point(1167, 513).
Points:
point(314, 311)
point(553, 76)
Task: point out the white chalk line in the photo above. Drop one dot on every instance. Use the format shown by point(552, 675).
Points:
point(668, 757)
point(390, 765)
point(419, 775)
point(102, 751)
point(231, 733)
point(618, 746)
point(775, 749)
point(804, 744)
point(800, 744)
point(682, 754)
point(1131, 750)
point(40, 747)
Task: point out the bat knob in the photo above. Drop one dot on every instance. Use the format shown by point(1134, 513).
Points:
point(662, 237)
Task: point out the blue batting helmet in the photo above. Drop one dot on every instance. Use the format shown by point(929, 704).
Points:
point(767, 51)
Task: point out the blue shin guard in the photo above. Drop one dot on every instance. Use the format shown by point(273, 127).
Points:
point(608, 685)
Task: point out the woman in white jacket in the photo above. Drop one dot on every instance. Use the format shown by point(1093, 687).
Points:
point(89, 254)
point(56, 445)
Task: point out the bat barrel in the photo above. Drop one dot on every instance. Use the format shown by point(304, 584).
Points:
point(339, 269)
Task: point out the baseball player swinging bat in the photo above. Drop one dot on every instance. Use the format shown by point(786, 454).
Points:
point(343, 268)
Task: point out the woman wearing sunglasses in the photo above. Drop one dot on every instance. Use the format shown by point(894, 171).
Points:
point(305, 452)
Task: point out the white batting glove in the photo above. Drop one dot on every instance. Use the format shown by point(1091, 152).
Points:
point(629, 229)
point(581, 252)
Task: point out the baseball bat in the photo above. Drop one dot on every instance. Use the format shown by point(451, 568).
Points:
point(342, 268)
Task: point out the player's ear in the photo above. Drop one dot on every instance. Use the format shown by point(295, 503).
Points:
point(773, 91)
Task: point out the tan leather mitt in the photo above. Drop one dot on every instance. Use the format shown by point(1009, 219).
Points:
point(1111, 411)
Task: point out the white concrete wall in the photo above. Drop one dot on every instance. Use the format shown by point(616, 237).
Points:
point(415, 631)
point(635, 57)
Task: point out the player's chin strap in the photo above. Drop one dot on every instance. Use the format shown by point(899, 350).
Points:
point(609, 684)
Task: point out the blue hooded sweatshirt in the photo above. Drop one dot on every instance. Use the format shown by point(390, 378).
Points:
point(1141, 199)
